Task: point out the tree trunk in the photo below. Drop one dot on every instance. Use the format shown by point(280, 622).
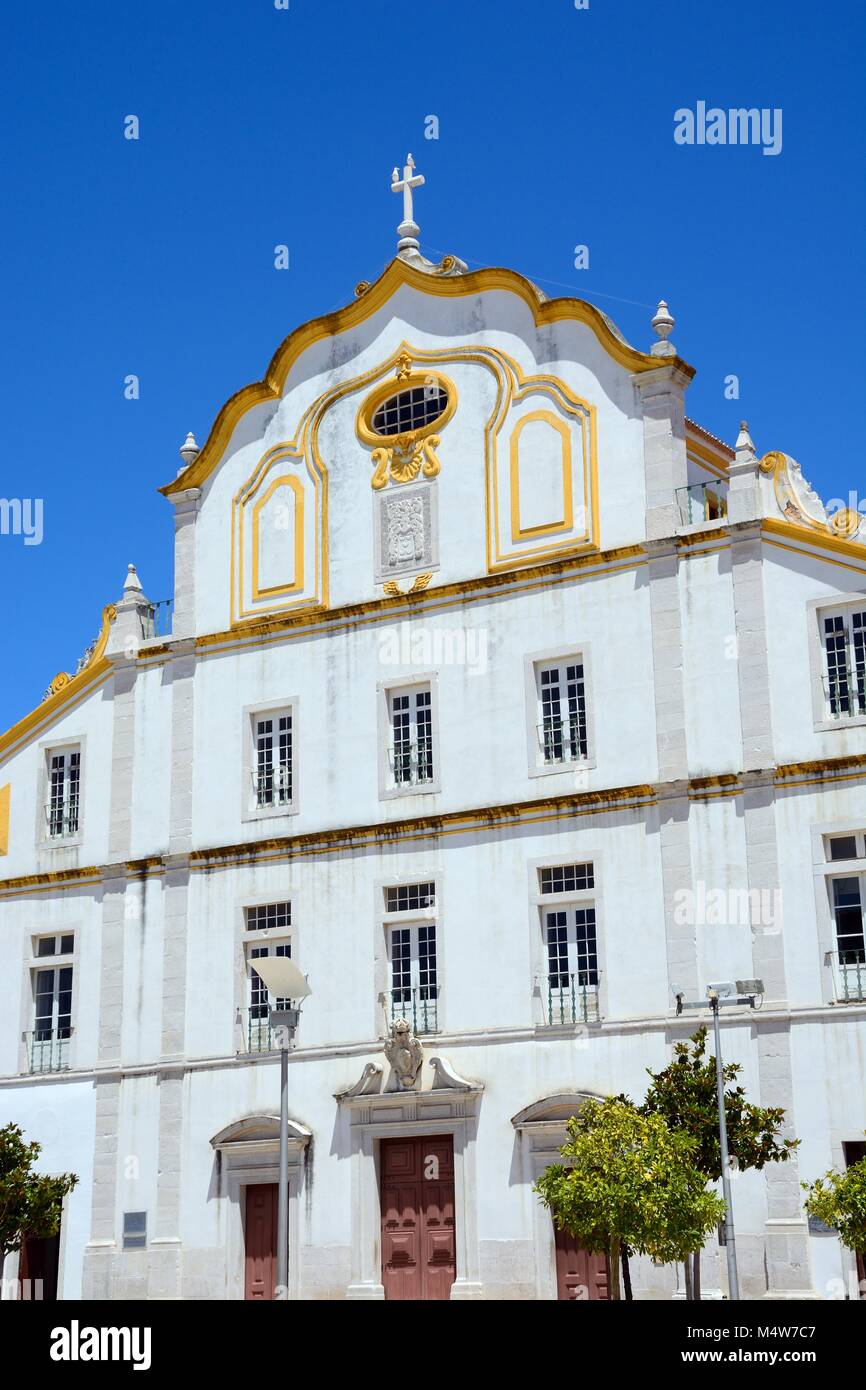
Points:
point(687, 1268)
point(615, 1292)
point(626, 1274)
point(696, 1281)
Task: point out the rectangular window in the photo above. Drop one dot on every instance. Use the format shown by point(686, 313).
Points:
point(52, 1018)
point(848, 909)
point(569, 931)
point(272, 767)
point(269, 917)
point(567, 878)
point(844, 641)
point(64, 795)
point(562, 728)
point(414, 984)
point(55, 945)
point(410, 713)
point(134, 1230)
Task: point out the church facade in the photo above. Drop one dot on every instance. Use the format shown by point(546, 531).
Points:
point(510, 704)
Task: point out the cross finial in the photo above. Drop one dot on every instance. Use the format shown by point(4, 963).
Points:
point(408, 229)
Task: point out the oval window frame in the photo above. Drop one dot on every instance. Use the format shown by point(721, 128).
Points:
point(392, 387)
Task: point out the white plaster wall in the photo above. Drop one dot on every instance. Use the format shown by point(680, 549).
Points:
point(497, 319)
point(709, 665)
point(90, 721)
point(790, 583)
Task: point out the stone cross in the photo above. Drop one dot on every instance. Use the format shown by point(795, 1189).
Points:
point(408, 229)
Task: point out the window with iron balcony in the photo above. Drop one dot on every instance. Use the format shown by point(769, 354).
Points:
point(847, 892)
point(51, 971)
point(567, 908)
point(267, 933)
point(410, 927)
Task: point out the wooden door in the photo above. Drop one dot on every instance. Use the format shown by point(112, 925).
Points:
point(38, 1265)
point(579, 1275)
point(260, 1241)
point(418, 1256)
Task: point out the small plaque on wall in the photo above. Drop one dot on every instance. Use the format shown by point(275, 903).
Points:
point(406, 531)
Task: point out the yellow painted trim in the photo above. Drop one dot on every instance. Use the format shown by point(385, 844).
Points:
point(393, 387)
point(519, 532)
point(5, 798)
point(64, 688)
point(286, 480)
point(822, 539)
point(396, 275)
point(239, 612)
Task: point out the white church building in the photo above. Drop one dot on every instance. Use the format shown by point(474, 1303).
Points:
point(508, 701)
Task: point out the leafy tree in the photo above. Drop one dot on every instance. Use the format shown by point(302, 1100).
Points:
point(30, 1203)
point(685, 1095)
point(629, 1181)
point(839, 1200)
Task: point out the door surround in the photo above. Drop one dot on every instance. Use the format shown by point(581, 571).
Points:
point(250, 1154)
point(416, 1114)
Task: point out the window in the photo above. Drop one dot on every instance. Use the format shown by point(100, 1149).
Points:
point(272, 773)
point(55, 945)
point(63, 803)
point(414, 985)
point(562, 712)
point(410, 410)
point(52, 1013)
point(568, 921)
point(134, 1230)
point(411, 725)
point(567, 878)
point(269, 922)
point(848, 910)
point(843, 642)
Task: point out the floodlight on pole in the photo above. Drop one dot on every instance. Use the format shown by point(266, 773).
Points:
point(722, 995)
point(284, 981)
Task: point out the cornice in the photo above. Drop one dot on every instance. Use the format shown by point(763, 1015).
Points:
point(786, 776)
point(396, 275)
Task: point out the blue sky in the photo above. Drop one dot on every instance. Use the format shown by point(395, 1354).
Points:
point(261, 126)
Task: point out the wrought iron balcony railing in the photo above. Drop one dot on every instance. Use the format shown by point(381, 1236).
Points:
point(418, 1005)
point(849, 975)
point(571, 1003)
point(157, 621)
point(702, 502)
point(48, 1049)
point(412, 763)
point(562, 740)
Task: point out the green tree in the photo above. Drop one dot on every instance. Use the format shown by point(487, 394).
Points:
point(839, 1200)
point(685, 1096)
point(629, 1181)
point(30, 1203)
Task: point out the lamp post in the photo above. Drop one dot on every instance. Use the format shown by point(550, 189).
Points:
point(284, 981)
point(721, 996)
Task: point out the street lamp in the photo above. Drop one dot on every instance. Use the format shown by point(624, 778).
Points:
point(720, 996)
point(284, 981)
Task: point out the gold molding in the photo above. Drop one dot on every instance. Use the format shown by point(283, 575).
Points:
point(306, 454)
point(396, 275)
point(401, 457)
point(64, 687)
point(518, 532)
point(5, 799)
point(821, 539)
point(295, 485)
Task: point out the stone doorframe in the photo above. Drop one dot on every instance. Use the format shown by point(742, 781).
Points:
point(249, 1152)
point(403, 1115)
point(541, 1132)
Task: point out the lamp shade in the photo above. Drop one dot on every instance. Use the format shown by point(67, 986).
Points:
point(282, 977)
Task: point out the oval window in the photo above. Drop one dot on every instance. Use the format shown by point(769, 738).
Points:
point(411, 409)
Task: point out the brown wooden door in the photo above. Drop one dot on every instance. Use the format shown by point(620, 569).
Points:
point(418, 1260)
point(579, 1275)
point(260, 1241)
point(38, 1265)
